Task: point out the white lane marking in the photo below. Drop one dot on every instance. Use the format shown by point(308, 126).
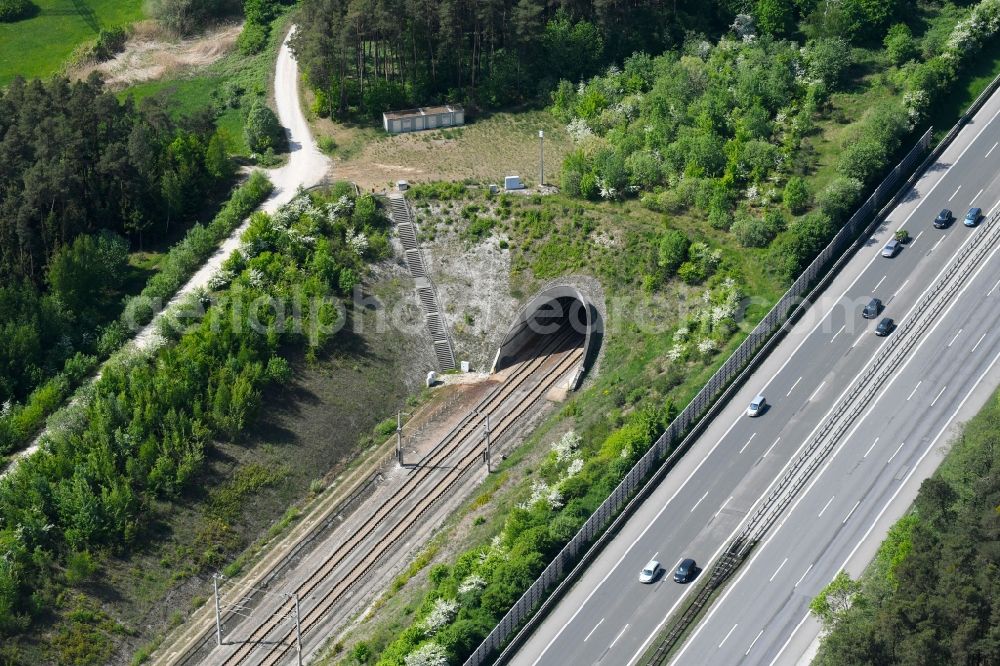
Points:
point(771, 447)
point(849, 513)
point(879, 283)
point(767, 491)
point(993, 209)
point(771, 579)
point(825, 506)
point(976, 197)
point(870, 448)
point(892, 499)
point(977, 343)
point(938, 243)
point(991, 149)
point(655, 555)
point(894, 453)
point(954, 193)
point(821, 385)
point(593, 630)
point(906, 282)
point(916, 239)
point(722, 507)
point(808, 569)
point(914, 390)
point(838, 332)
point(624, 629)
point(748, 442)
point(698, 502)
point(938, 395)
point(753, 643)
point(793, 388)
point(990, 292)
point(632, 545)
point(955, 338)
point(729, 634)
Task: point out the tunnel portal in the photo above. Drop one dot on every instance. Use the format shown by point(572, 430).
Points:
point(557, 319)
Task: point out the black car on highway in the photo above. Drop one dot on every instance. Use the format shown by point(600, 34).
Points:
point(872, 309)
point(885, 327)
point(684, 571)
point(943, 219)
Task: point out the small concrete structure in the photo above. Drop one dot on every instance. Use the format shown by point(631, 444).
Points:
point(512, 183)
point(424, 118)
point(402, 185)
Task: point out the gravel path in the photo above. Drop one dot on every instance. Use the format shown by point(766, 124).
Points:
point(306, 166)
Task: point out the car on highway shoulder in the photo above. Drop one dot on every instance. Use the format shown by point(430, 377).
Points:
point(684, 571)
point(872, 309)
point(885, 327)
point(943, 219)
point(757, 406)
point(891, 248)
point(649, 572)
point(972, 217)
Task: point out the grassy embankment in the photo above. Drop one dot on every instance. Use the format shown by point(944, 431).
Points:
point(39, 46)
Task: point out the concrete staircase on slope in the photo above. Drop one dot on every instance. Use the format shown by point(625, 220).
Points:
point(407, 232)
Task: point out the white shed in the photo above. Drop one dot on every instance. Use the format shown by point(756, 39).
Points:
point(424, 118)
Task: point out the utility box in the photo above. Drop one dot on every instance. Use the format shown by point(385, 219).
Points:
point(494, 188)
point(431, 378)
point(512, 183)
point(465, 366)
point(402, 185)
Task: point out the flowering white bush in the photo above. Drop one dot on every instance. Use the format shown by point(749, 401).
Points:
point(707, 345)
point(578, 129)
point(676, 352)
point(680, 335)
point(342, 208)
point(970, 33)
point(220, 280)
point(5, 411)
point(543, 492)
point(566, 446)
point(428, 654)
point(722, 312)
point(357, 241)
point(574, 467)
point(472, 583)
point(256, 278)
point(607, 192)
point(443, 612)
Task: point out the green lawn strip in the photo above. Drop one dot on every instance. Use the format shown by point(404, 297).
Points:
point(39, 46)
point(227, 88)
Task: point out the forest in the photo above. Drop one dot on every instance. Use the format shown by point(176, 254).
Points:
point(84, 179)
point(932, 594)
point(364, 56)
point(144, 436)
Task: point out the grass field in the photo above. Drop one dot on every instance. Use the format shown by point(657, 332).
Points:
point(40, 45)
point(487, 149)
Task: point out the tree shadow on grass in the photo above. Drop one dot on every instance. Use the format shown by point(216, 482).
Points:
point(80, 8)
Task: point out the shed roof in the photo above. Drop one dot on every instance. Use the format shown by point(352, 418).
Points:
point(422, 111)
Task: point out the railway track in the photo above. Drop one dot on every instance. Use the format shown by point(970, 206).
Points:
point(560, 352)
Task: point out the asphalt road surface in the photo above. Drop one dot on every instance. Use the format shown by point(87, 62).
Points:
point(609, 617)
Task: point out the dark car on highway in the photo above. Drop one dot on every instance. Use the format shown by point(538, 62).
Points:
point(885, 327)
point(943, 219)
point(972, 217)
point(685, 571)
point(872, 309)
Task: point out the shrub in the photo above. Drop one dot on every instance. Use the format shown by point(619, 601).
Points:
point(899, 44)
point(672, 251)
point(796, 195)
point(839, 197)
point(13, 10)
point(252, 39)
point(188, 16)
point(262, 130)
point(109, 42)
point(828, 59)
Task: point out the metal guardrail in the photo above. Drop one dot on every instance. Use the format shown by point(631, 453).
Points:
point(784, 311)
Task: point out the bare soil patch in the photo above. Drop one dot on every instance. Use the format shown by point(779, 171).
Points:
point(151, 54)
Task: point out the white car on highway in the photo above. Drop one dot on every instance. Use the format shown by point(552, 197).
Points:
point(648, 573)
point(757, 406)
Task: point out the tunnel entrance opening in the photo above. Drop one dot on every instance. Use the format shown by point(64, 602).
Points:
point(558, 321)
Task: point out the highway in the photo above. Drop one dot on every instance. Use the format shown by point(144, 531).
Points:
point(609, 617)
